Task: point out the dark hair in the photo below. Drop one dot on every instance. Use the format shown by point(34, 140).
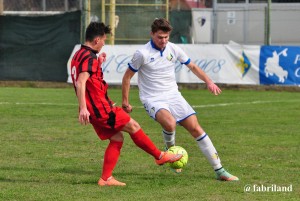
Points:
point(96, 29)
point(161, 24)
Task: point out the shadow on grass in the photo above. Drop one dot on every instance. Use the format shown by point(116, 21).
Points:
point(48, 175)
point(74, 176)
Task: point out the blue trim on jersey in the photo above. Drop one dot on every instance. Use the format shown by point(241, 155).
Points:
point(154, 47)
point(187, 62)
point(186, 117)
point(131, 68)
point(202, 137)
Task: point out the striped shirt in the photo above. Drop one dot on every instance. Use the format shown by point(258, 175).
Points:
point(98, 103)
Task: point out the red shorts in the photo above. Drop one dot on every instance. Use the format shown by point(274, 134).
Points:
point(104, 129)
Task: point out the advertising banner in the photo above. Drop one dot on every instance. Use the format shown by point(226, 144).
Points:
point(280, 65)
point(227, 64)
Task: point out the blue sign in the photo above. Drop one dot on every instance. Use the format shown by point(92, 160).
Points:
point(279, 65)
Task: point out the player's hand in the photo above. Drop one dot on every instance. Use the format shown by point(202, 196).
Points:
point(102, 57)
point(213, 88)
point(84, 116)
point(127, 108)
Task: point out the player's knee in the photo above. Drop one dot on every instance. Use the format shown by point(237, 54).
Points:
point(132, 126)
point(117, 137)
point(166, 120)
point(135, 126)
point(169, 126)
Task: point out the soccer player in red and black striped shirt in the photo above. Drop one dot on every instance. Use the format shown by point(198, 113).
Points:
point(95, 106)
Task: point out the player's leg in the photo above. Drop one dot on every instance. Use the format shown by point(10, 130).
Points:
point(192, 126)
point(144, 142)
point(140, 138)
point(205, 144)
point(168, 123)
point(111, 157)
point(158, 109)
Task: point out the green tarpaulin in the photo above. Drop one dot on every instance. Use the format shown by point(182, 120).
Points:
point(37, 48)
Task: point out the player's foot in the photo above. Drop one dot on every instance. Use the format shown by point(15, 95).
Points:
point(168, 158)
point(223, 175)
point(110, 182)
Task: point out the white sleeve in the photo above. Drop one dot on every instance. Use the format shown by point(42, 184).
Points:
point(136, 61)
point(182, 56)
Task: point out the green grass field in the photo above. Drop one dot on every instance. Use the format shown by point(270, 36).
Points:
point(47, 155)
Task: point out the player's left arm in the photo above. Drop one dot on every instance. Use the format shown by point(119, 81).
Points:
point(211, 86)
point(84, 114)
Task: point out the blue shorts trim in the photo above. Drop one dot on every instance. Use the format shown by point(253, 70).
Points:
point(185, 117)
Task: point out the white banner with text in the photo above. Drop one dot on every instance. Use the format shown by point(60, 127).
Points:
point(229, 64)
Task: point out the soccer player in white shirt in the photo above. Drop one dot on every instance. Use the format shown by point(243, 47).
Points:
point(158, 91)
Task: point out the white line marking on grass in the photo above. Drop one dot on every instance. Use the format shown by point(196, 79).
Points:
point(139, 107)
point(55, 104)
point(229, 104)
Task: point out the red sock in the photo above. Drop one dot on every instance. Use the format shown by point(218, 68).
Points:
point(145, 143)
point(111, 157)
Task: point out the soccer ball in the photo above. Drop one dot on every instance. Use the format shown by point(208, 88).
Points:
point(183, 161)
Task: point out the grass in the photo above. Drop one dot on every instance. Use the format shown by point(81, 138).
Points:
point(47, 155)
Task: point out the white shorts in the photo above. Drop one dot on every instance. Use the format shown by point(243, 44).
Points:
point(173, 102)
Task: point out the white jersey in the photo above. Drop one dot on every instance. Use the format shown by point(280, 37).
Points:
point(156, 68)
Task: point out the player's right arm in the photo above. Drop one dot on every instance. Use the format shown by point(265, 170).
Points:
point(125, 90)
point(133, 67)
point(80, 90)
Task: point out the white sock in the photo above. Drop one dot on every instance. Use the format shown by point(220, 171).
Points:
point(169, 138)
point(209, 151)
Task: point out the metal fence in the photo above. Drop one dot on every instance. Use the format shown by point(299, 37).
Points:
point(249, 24)
point(245, 23)
point(41, 5)
point(132, 15)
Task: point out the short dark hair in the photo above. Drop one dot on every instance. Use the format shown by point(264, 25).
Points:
point(96, 29)
point(161, 24)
